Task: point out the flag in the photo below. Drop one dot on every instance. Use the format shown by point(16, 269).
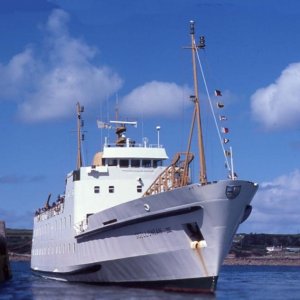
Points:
point(222, 118)
point(227, 153)
point(218, 93)
point(220, 104)
point(225, 141)
point(224, 130)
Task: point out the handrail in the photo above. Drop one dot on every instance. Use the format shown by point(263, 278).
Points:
point(174, 176)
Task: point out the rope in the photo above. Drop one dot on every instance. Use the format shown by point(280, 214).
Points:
point(211, 108)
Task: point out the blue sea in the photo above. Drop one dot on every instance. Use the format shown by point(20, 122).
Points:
point(235, 282)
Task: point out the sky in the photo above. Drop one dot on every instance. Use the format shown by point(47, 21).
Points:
point(133, 55)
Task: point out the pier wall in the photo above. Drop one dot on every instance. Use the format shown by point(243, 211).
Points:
point(5, 271)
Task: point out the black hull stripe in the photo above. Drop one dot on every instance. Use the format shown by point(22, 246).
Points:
point(139, 219)
point(82, 271)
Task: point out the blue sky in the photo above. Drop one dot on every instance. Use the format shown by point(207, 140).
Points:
point(55, 53)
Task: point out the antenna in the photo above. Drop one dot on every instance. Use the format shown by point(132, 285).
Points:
point(117, 107)
point(231, 162)
point(158, 129)
point(80, 136)
point(145, 141)
point(124, 122)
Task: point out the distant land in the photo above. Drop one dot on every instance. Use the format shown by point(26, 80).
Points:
point(247, 249)
point(265, 249)
point(19, 243)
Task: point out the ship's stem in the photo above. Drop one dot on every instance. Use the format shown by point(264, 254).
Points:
point(203, 177)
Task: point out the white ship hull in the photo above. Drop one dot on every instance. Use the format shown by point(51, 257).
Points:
point(151, 241)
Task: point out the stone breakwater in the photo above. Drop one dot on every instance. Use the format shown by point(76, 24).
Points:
point(5, 272)
point(19, 257)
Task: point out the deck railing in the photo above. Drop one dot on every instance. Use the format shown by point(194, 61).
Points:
point(174, 176)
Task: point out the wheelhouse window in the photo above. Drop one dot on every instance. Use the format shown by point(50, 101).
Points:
point(146, 163)
point(112, 162)
point(111, 189)
point(135, 163)
point(157, 163)
point(124, 163)
point(139, 189)
point(96, 189)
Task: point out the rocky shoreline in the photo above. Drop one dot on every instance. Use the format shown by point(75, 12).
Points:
point(289, 260)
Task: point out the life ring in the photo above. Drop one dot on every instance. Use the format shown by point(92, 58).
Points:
point(147, 207)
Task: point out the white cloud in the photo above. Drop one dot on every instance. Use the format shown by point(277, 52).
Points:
point(47, 83)
point(46, 80)
point(16, 74)
point(276, 206)
point(277, 105)
point(156, 99)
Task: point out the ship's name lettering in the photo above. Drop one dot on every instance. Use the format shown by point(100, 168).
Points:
point(152, 232)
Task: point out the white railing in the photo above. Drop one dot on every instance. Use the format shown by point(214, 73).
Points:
point(45, 214)
point(81, 226)
point(112, 145)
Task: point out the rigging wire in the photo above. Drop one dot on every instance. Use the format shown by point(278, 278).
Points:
point(211, 108)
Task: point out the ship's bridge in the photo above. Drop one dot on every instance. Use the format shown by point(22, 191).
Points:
point(136, 151)
point(127, 153)
point(131, 156)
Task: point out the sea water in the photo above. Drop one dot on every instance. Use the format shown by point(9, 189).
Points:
point(235, 282)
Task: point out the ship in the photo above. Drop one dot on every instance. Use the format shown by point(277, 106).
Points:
point(130, 219)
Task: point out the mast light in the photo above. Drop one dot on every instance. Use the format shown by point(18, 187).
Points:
point(158, 129)
point(202, 42)
point(192, 27)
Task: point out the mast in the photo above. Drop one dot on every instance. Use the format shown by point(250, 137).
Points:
point(80, 109)
point(203, 177)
